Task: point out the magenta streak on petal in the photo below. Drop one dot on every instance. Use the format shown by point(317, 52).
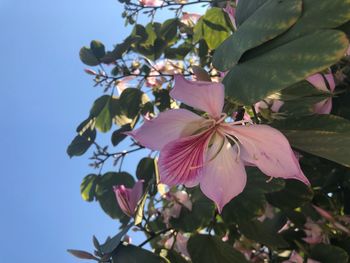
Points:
point(181, 161)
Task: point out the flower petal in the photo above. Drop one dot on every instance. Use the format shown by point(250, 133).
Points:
point(223, 175)
point(324, 106)
point(318, 81)
point(203, 95)
point(181, 161)
point(269, 150)
point(136, 193)
point(168, 126)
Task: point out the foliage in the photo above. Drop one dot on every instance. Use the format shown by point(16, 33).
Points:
point(263, 51)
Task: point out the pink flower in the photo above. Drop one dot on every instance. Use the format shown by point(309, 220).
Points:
point(180, 244)
point(314, 233)
point(165, 66)
point(319, 82)
point(272, 104)
point(151, 3)
point(190, 19)
point(128, 198)
point(208, 151)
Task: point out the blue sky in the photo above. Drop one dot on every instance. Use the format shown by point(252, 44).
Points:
point(44, 95)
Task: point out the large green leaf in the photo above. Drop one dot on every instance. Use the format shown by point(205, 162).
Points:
point(327, 15)
point(329, 254)
point(210, 249)
point(268, 21)
point(105, 194)
point(133, 254)
point(279, 68)
point(87, 57)
point(246, 8)
point(326, 136)
point(212, 27)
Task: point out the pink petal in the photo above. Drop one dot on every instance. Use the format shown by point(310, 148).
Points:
point(269, 150)
point(318, 82)
point(168, 126)
point(181, 161)
point(223, 176)
point(136, 193)
point(323, 107)
point(203, 95)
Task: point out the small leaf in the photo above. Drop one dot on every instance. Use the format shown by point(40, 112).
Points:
point(88, 57)
point(81, 143)
point(87, 187)
point(81, 254)
point(112, 243)
point(98, 49)
point(140, 208)
point(118, 135)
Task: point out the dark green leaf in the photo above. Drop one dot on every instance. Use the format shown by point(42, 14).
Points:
point(87, 57)
point(98, 49)
point(262, 233)
point(81, 143)
point(329, 254)
point(145, 170)
point(210, 249)
point(295, 194)
point(118, 135)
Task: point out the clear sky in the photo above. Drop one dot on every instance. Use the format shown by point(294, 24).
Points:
point(44, 95)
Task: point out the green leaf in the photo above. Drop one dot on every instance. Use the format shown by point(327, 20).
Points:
point(200, 216)
point(168, 31)
point(105, 194)
point(251, 202)
point(210, 249)
point(326, 136)
point(98, 49)
point(295, 194)
point(267, 22)
point(118, 135)
point(246, 8)
point(104, 119)
point(139, 209)
point(81, 143)
point(133, 254)
point(162, 99)
point(87, 57)
point(281, 67)
point(329, 254)
point(112, 243)
point(145, 170)
point(131, 101)
point(88, 186)
point(212, 27)
point(82, 254)
point(261, 232)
